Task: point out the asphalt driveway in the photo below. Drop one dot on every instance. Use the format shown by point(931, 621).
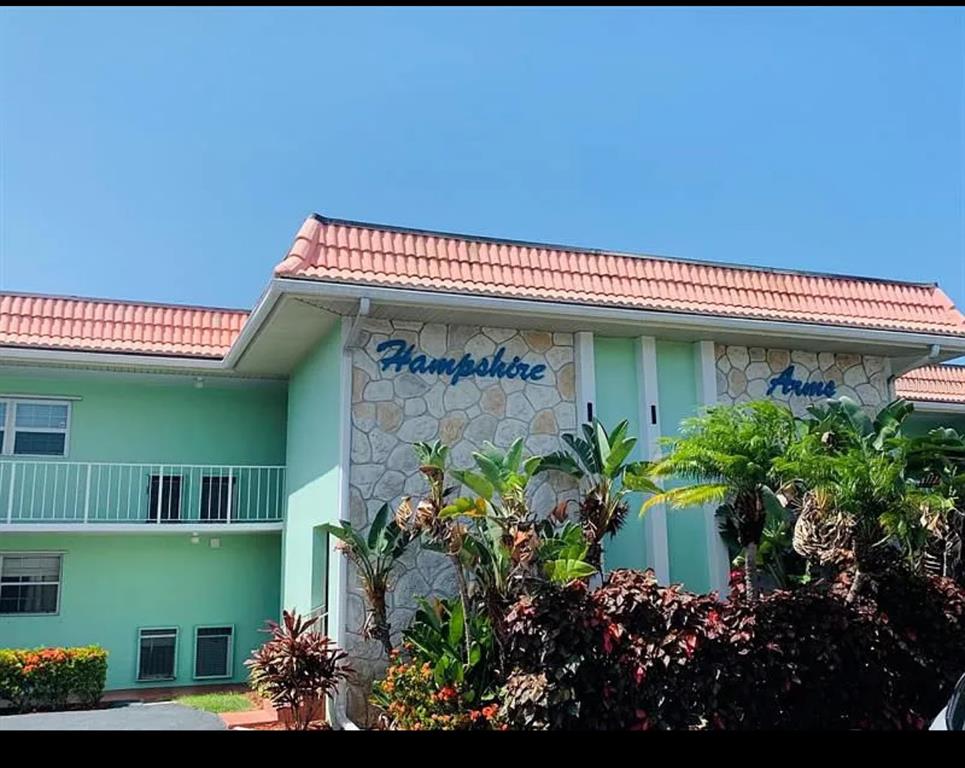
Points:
point(125, 717)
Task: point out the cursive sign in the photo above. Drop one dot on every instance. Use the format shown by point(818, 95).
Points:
point(401, 355)
point(791, 386)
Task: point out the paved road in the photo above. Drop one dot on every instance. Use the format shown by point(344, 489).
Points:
point(130, 717)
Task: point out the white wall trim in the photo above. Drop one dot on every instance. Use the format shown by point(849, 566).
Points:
point(337, 562)
point(656, 518)
point(718, 561)
point(585, 374)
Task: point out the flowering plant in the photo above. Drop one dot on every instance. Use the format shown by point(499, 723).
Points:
point(413, 701)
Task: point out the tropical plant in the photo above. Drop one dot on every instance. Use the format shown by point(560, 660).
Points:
point(598, 461)
point(411, 700)
point(633, 654)
point(776, 556)
point(495, 543)
point(858, 507)
point(297, 667)
point(728, 452)
point(436, 635)
point(936, 461)
point(375, 555)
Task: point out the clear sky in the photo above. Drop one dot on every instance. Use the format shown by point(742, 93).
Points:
point(171, 154)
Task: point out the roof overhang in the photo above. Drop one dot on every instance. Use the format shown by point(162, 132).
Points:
point(293, 314)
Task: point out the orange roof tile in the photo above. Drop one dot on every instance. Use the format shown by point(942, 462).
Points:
point(100, 325)
point(355, 252)
point(934, 383)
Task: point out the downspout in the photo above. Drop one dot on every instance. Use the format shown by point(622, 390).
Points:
point(340, 719)
point(365, 306)
point(932, 355)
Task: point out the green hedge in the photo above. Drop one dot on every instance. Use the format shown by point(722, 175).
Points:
point(52, 678)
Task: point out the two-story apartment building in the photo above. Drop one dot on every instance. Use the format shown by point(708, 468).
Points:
point(165, 469)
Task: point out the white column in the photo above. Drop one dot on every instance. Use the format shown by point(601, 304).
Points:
point(718, 561)
point(656, 518)
point(585, 374)
point(337, 597)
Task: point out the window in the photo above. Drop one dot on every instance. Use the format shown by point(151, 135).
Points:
point(164, 496)
point(29, 582)
point(212, 651)
point(156, 654)
point(34, 427)
point(215, 498)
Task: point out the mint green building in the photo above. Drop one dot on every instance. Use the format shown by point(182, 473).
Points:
point(165, 470)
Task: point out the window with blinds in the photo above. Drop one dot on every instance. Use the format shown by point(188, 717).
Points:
point(29, 583)
point(212, 652)
point(34, 427)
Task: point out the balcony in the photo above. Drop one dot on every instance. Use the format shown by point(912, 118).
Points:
point(144, 498)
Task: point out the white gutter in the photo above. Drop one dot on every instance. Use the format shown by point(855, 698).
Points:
point(931, 357)
point(132, 360)
point(630, 317)
point(932, 406)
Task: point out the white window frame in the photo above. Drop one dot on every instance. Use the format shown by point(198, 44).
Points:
point(10, 428)
point(169, 628)
point(59, 582)
point(229, 662)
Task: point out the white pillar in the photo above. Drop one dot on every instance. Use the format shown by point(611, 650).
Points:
point(656, 518)
point(718, 560)
point(585, 375)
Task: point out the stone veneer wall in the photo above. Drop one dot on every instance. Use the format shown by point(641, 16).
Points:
point(744, 373)
point(390, 411)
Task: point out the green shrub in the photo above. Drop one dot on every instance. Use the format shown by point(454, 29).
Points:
point(52, 678)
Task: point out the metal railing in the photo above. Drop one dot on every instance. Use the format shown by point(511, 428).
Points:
point(158, 494)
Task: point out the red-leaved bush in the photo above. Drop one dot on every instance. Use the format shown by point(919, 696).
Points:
point(635, 655)
point(297, 668)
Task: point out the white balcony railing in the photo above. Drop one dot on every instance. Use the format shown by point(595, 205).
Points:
point(56, 492)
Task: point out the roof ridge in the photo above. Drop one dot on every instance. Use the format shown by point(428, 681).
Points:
point(623, 254)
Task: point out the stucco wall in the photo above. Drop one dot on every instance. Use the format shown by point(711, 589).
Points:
point(744, 373)
point(127, 420)
point(312, 474)
point(112, 585)
point(391, 410)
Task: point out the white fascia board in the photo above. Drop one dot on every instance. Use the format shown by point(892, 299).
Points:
point(779, 329)
point(129, 360)
point(251, 328)
point(929, 406)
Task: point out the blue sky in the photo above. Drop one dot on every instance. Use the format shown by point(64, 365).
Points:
point(171, 154)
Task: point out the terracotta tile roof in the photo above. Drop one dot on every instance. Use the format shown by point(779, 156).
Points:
point(100, 325)
point(935, 383)
point(355, 252)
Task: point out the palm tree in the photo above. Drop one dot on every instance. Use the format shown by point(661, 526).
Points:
point(728, 454)
point(936, 462)
point(375, 555)
point(598, 461)
point(861, 506)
